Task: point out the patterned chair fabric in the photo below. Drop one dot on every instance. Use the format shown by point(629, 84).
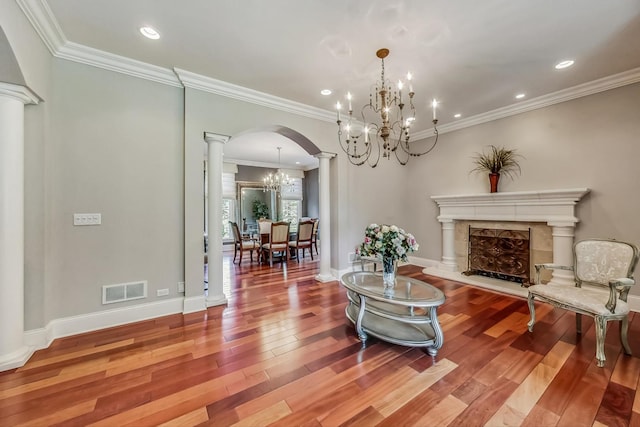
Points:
point(278, 241)
point(606, 268)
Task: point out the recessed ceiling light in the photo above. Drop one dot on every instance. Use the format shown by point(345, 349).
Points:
point(457, 116)
point(564, 64)
point(297, 163)
point(520, 96)
point(150, 33)
point(325, 92)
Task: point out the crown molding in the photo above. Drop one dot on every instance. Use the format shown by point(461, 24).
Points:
point(579, 91)
point(121, 64)
point(229, 90)
point(44, 22)
point(269, 165)
point(46, 25)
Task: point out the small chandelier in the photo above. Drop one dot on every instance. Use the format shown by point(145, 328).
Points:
point(278, 181)
point(365, 142)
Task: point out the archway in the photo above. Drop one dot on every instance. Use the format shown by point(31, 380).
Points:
point(215, 160)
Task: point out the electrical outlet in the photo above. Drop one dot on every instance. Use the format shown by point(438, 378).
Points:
point(180, 286)
point(87, 219)
point(162, 292)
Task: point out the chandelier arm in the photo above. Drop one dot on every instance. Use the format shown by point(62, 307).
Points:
point(391, 132)
point(406, 149)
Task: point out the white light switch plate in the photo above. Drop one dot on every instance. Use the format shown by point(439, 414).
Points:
point(87, 219)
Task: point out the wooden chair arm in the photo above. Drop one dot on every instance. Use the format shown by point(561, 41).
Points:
point(614, 288)
point(540, 267)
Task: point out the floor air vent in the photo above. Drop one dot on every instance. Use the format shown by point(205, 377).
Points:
point(124, 292)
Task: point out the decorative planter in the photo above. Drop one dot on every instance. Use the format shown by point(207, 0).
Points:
point(493, 180)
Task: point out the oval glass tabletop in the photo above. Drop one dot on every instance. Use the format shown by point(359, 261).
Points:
point(408, 291)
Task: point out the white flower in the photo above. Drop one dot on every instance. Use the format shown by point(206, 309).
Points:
point(385, 228)
point(393, 228)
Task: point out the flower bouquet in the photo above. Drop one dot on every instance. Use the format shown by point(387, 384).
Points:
point(388, 243)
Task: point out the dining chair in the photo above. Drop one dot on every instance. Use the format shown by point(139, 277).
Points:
point(314, 236)
point(278, 242)
point(242, 244)
point(264, 231)
point(606, 268)
point(303, 239)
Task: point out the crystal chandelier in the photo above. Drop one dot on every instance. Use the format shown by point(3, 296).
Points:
point(278, 181)
point(364, 142)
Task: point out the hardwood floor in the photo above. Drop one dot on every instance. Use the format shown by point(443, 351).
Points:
point(282, 353)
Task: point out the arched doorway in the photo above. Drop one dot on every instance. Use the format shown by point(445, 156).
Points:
point(216, 144)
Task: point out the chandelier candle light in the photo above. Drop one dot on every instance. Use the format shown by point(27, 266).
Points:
point(278, 181)
point(392, 134)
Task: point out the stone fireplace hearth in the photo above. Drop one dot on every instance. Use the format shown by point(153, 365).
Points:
point(549, 213)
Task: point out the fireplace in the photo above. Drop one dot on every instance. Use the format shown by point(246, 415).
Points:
point(499, 253)
point(553, 210)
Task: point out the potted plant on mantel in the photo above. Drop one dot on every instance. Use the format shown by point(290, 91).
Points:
point(497, 161)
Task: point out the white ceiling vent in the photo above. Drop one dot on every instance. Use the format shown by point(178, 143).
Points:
point(124, 292)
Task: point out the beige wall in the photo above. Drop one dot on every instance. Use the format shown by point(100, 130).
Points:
point(115, 148)
point(587, 142)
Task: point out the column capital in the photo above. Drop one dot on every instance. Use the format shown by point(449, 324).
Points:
point(21, 93)
point(210, 137)
point(324, 155)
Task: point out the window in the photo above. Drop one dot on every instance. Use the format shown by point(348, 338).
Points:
point(291, 204)
point(227, 215)
point(291, 211)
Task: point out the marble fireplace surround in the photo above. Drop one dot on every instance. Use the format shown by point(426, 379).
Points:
point(556, 208)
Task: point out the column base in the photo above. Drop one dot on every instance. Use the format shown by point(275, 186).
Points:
point(213, 300)
point(324, 278)
point(561, 277)
point(193, 304)
point(448, 265)
point(16, 359)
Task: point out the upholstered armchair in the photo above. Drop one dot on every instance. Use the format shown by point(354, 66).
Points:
point(605, 268)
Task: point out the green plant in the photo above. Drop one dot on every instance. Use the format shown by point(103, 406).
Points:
point(260, 209)
point(498, 160)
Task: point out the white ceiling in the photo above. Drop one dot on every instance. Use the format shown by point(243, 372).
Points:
point(473, 56)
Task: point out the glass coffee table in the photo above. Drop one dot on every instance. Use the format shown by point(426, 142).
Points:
point(406, 317)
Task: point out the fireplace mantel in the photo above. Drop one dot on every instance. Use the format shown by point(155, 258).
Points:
point(555, 207)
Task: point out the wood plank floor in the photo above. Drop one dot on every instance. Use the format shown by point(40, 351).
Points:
point(282, 353)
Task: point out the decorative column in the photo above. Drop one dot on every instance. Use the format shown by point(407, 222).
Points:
point(215, 144)
point(448, 245)
point(325, 218)
point(13, 351)
point(563, 235)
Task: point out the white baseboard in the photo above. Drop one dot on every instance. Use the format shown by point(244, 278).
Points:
point(36, 339)
point(193, 304)
point(503, 285)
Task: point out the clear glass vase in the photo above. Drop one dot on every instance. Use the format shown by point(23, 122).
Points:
point(389, 266)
